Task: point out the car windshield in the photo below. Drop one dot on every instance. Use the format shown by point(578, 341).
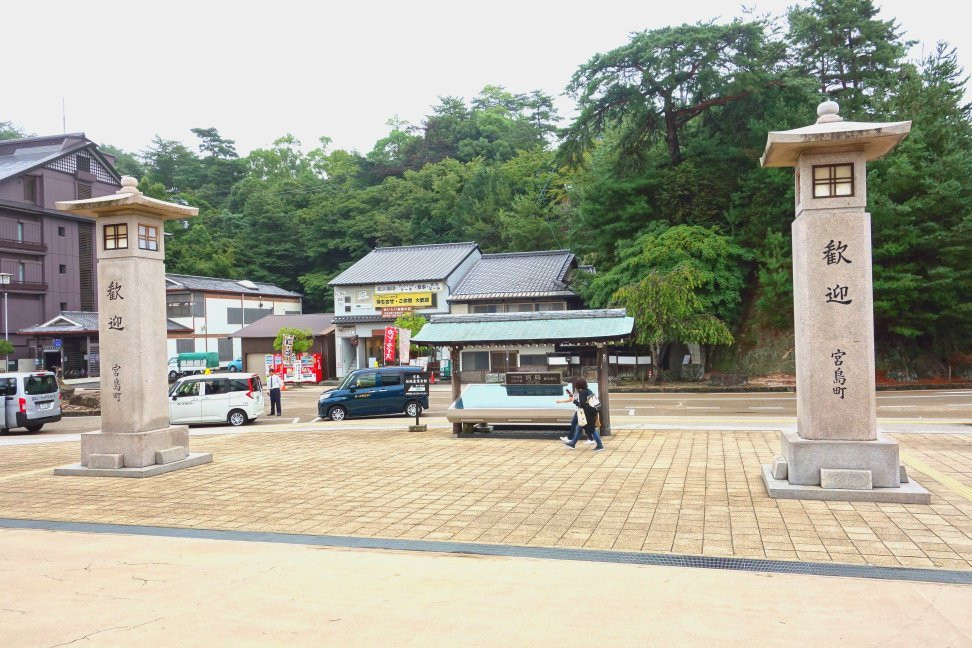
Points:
point(348, 380)
point(36, 385)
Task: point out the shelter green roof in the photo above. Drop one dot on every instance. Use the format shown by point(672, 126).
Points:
point(578, 327)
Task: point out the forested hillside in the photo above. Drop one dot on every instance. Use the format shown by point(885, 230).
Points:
point(659, 170)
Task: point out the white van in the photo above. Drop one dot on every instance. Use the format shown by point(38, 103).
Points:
point(214, 398)
point(31, 399)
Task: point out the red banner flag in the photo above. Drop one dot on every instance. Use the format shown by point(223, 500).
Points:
point(391, 339)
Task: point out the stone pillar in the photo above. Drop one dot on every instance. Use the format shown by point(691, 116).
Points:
point(456, 379)
point(135, 439)
point(837, 452)
point(602, 389)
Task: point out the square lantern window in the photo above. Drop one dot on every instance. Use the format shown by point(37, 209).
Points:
point(148, 238)
point(833, 180)
point(116, 237)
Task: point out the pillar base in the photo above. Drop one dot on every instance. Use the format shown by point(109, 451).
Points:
point(805, 458)
point(78, 470)
point(907, 493)
point(138, 448)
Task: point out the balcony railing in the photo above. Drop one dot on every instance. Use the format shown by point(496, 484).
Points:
point(22, 246)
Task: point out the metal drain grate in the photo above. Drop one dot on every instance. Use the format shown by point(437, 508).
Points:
point(517, 551)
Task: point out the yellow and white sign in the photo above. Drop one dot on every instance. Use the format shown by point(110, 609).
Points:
point(415, 300)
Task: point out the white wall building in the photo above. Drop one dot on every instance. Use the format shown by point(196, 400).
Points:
point(386, 283)
point(212, 309)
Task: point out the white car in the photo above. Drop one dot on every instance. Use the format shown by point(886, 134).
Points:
point(233, 398)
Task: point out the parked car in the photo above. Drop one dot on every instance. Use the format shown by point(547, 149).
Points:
point(214, 398)
point(31, 399)
point(371, 391)
point(235, 365)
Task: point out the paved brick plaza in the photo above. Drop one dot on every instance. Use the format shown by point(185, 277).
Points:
point(693, 492)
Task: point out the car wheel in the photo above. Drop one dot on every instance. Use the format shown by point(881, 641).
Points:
point(35, 427)
point(413, 409)
point(237, 418)
point(172, 376)
point(337, 413)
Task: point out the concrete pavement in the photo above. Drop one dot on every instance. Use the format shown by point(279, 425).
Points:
point(64, 588)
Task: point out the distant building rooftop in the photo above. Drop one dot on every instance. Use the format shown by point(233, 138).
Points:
point(269, 326)
point(407, 263)
point(213, 284)
point(518, 275)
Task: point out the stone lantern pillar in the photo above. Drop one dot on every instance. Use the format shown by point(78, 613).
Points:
point(136, 439)
point(836, 452)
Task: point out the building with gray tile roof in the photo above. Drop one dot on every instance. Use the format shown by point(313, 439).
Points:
point(178, 282)
point(518, 275)
point(433, 262)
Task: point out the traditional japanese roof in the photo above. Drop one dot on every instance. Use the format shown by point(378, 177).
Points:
point(517, 275)
point(341, 320)
point(567, 327)
point(81, 322)
point(269, 326)
point(178, 282)
point(408, 263)
point(832, 134)
point(19, 156)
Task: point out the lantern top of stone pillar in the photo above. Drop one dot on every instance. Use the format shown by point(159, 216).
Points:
point(831, 134)
point(128, 199)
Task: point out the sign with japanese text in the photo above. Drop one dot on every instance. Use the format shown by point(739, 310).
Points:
point(394, 312)
point(414, 300)
point(390, 343)
point(416, 382)
point(429, 286)
point(404, 344)
point(533, 378)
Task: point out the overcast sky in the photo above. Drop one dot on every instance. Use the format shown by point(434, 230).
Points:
point(257, 70)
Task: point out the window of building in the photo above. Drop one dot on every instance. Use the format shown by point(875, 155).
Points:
point(501, 361)
point(533, 360)
point(116, 237)
point(519, 308)
point(84, 163)
point(225, 348)
point(551, 306)
point(235, 315)
point(84, 190)
point(833, 180)
point(30, 189)
point(473, 360)
point(60, 231)
point(20, 231)
point(486, 308)
point(178, 305)
point(62, 269)
point(185, 345)
point(63, 306)
point(21, 272)
point(148, 238)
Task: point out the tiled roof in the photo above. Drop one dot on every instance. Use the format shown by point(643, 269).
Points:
point(505, 328)
point(81, 322)
point(213, 284)
point(21, 155)
point(517, 274)
point(270, 325)
point(408, 263)
point(361, 319)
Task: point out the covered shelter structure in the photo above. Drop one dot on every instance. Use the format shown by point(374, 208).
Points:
point(594, 328)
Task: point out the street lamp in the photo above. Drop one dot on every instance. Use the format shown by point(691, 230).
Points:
point(5, 281)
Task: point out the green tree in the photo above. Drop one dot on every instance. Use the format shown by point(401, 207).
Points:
point(303, 339)
point(125, 163)
point(847, 50)
point(6, 348)
point(664, 78)
point(9, 130)
point(667, 308)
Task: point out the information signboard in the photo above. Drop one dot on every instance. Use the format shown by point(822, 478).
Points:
point(533, 378)
point(416, 383)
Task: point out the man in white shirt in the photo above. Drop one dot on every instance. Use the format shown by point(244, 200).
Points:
point(274, 382)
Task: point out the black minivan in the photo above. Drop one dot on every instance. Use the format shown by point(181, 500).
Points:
point(372, 391)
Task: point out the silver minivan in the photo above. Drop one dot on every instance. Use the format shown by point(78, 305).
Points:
point(31, 399)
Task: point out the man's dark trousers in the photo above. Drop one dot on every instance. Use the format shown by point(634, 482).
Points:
point(275, 402)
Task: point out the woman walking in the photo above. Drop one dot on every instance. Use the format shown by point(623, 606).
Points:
point(581, 398)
